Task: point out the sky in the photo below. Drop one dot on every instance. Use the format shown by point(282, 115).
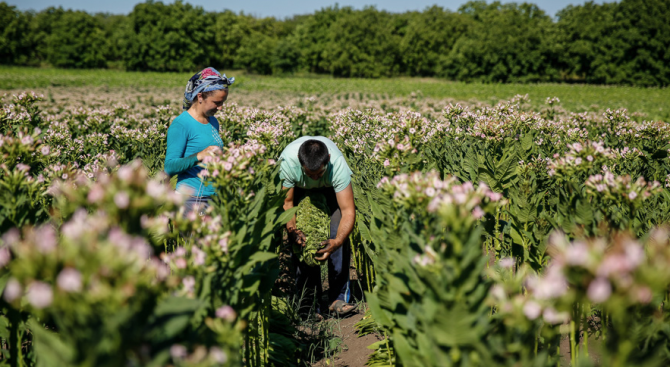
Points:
point(273, 8)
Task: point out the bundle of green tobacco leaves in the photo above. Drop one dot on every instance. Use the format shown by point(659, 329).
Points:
point(313, 220)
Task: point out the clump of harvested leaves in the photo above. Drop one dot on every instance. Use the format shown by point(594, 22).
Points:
point(313, 220)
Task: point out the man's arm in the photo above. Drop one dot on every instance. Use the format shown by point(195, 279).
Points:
point(345, 200)
point(294, 233)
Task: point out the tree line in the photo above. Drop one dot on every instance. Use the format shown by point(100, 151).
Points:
point(613, 43)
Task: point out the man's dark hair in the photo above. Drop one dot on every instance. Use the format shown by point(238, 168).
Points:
point(313, 154)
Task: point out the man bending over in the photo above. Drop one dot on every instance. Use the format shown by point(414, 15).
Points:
point(314, 164)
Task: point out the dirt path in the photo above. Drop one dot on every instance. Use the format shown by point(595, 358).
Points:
point(354, 349)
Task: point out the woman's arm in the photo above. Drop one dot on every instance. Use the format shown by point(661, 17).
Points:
point(175, 162)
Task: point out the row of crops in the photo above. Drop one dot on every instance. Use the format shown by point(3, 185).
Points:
point(484, 236)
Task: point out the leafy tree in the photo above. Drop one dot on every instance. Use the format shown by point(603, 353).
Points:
point(310, 36)
point(175, 37)
point(363, 44)
point(76, 41)
point(504, 43)
point(613, 43)
point(15, 37)
point(430, 35)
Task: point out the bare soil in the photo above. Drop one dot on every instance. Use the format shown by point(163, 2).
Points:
point(354, 349)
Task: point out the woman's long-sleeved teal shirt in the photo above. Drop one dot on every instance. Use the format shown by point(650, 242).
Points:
point(187, 137)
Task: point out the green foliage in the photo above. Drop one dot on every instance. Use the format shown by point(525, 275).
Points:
point(15, 36)
point(172, 37)
point(611, 43)
point(503, 43)
point(313, 220)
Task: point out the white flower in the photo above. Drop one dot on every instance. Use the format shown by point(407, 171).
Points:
point(218, 355)
point(69, 280)
point(122, 200)
point(532, 310)
point(178, 351)
point(599, 290)
point(227, 313)
point(507, 262)
point(39, 294)
point(12, 290)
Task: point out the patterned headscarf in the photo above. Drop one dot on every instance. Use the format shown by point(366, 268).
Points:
point(207, 80)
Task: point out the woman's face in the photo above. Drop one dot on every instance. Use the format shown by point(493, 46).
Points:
point(212, 104)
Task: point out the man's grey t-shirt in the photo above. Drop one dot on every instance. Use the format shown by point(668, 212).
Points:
point(337, 174)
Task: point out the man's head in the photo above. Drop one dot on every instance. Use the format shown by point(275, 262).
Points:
point(313, 156)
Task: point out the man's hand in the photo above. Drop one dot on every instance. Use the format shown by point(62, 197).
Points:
point(297, 237)
point(212, 149)
point(329, 246)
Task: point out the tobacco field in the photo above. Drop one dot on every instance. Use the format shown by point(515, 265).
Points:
point(506, 234)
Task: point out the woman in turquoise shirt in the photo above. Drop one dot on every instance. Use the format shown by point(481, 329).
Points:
point(195, 134)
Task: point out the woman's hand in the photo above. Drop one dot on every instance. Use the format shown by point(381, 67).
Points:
point(212, 149)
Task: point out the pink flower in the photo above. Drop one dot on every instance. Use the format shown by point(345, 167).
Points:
point(227, 313)
point(5, 257)
point(494, 196)
point(178, 351)
point(599, 290)
point(11, 237)
point(218, 355)
point(122, 200)
point(634, 254)
point(189, 284)
point(576, 254)
point(553, 317)
point(227, 166)
point(12, 290)
point(45, 150)
point(27, 140)
point(632, 195)
point(614, 264)
point(460, 198)
point(69, 280)
point(96, 194)
point(39, 294)
point(156, 189)
point(532, 310)
point(46, 239)
point(553, 285)
point(506, 263)
point(180, 263)
point(162, 270)
point(643, 294)
point(125, 173)
point(224, 244)
point(387, 163)
point(199, 256)
point(477, 212)
point(498, 292)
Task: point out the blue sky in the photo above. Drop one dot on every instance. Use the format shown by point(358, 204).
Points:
point(263, 8)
